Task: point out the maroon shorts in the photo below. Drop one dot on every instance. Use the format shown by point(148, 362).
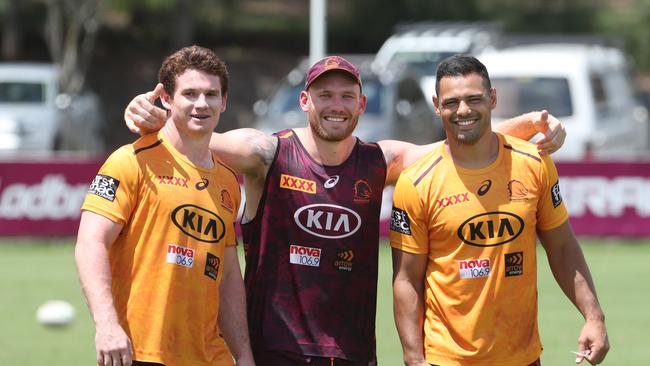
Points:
point(280, 358)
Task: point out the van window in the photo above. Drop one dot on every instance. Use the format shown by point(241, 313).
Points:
point(21, 92)
point(516, 96)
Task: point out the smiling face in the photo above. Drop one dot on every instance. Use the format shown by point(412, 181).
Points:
point(334, 104)
point(196, 104)
point(465, 103)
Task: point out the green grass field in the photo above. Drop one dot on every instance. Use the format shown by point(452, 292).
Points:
point(35, 271)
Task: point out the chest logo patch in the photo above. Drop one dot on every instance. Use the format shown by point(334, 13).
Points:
point(491, 229)
point(327, 221)
point(330, 183)
point(453, 199)
point(362, 191)
point(474, 268)
point(304, 256)
point(484, 188)
point(226, 201)
point(179, 255)
point(517, 191)
point(514, 263)
point(297, 184)
point(199, 223)
point(172, 180)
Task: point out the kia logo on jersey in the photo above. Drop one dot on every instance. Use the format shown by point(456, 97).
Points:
point(199, 223)
point(327, 221)
point(491, 229)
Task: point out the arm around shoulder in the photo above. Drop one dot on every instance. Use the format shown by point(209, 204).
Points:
point(527, 125)
point(399, 155)
point(245, 150)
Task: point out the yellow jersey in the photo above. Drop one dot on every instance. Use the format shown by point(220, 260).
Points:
point(478, 229)
point(166, 263)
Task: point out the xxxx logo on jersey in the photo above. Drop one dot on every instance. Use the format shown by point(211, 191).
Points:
point(297, 184)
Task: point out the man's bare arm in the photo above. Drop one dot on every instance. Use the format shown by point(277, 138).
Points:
point(529, 124)
point(408, 304)
point(247, 151)
point(96, 234)
point(232, 309)
point(571, 272)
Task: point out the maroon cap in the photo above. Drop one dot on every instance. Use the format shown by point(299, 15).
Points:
point(331, 63)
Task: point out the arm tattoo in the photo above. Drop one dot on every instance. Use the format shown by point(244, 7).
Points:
point(264, 147)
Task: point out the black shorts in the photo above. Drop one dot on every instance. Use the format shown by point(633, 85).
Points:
point(142, 363)
point(281, 358)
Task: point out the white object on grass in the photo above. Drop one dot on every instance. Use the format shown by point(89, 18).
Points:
point(55, 313)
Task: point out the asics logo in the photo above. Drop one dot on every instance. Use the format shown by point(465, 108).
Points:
point(331, 182)
point(485, 187)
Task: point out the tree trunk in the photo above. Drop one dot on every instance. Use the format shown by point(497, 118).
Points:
point(11, 32)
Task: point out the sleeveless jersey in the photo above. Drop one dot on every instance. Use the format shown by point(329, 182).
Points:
point(167, 263)
point(312, 252)
point(478, 228)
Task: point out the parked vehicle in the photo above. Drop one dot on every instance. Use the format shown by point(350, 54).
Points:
point(36, 117)
point(422, 45)
point(396, 107)
point(587, 86)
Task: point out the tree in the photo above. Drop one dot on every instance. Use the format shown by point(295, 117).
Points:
point(70, 33)
point(11, 31)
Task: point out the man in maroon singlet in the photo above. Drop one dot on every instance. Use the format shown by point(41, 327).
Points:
point(311, 220)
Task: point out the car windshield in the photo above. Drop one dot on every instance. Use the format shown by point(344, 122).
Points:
point(516, 96)
point(21, 92)
point(286, 98)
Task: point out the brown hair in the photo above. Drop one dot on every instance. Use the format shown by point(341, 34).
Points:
point(192, 58)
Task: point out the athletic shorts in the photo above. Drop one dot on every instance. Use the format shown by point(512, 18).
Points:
point(536, 363)
point(142, 363)
point(281, 358)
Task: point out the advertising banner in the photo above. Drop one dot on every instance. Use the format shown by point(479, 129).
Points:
point(42, 198)
point(605, 198)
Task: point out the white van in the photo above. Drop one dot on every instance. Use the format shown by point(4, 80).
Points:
point(586, 86)
point(420, 46)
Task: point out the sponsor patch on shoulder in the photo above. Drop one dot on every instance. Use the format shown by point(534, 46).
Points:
point(555, 194)
point(180, 255)
point(400, 222)
point(304, 256)
point(474, 268)
point(104, 186)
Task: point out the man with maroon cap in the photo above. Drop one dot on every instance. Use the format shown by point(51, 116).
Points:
point(311, 220)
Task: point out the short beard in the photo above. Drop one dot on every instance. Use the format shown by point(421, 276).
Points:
point(319, 131)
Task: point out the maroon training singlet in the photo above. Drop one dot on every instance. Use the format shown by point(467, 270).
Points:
point(312, 252)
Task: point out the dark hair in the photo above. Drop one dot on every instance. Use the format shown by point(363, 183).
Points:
point(192, 58)
point(461, 65)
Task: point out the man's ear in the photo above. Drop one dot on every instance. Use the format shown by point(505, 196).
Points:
point(304, 101)
point(493, 98)
point(166, 100)
point(435, 104)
